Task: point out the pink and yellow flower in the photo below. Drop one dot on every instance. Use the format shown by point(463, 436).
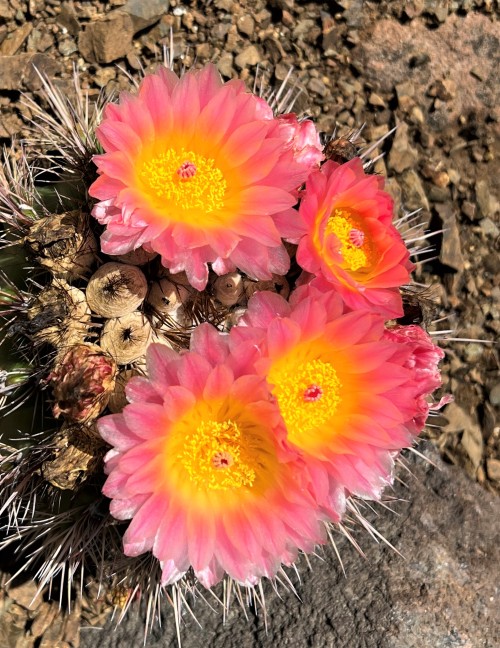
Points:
point(201, 465)
point(350, 395)
point(196, 169)
point(347, 239)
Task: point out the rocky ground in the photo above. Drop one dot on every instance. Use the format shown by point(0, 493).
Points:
point(427, 66)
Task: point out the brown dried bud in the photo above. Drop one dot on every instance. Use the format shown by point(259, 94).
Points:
point(78, 452)
point(126, 338)
point(82, 379)
point(116, 289)
point(63, 243)
point(340, 150)
point(277, 284)
point(59, 315)
point(229, 290)
point(137, 257)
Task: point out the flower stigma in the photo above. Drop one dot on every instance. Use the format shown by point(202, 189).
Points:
point(308, 395)
point(217, 456)
point(186, 179)
point(353, 248)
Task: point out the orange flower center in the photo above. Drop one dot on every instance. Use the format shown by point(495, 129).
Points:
point(354, 247)
point(218, 456)
point(308, 394)
point(185, 179)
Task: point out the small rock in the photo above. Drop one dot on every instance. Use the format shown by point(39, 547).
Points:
point(13, 42)
point(67, 19)
point(493, 469)
point(376, 100)
point(6, 10)
point(203, 50)
point(248, 57)
point(20, 69)
point(67, 47)
point(472, 438)
point(413, 191)
point(108, 39)
point(263, 18)
point(489, 228)
point(303, 28)
point(145, 14)
point(246, 25)
point(104, 75)
point(495, 395)
point(402, 155)
point(451, 251)
point(473, 352)
point(317, 86)
point(225, 64)
point(485, 201)
point(133, 60)
point(225, 5)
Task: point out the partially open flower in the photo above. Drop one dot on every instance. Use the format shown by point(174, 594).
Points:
point(82, 380)
point(116, 289)
point(424, 363)
point(208, 179)
point(346, 238)
point(200, 464)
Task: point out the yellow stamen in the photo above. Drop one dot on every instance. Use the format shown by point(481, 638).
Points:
point(354, 247)
point(186, 179)
point(217, 456)
point(308, 395)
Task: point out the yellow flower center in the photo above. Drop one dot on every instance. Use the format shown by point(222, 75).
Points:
point(218, 456)
point(185, 179)
point(354, 248)
point(308, 394)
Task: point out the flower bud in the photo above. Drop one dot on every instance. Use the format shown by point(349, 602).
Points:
point(126, 338)
point(116, 289)
point(277, 284)
point(228, 289)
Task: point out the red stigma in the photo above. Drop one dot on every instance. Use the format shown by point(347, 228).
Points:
point(186, 170)
point(356, 237)
point(313, 393)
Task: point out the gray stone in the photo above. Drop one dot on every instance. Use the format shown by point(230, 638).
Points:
point(495, 395)
point(414, 196)
point(451, 250)
point(144, 14)
point(108, 39)
point(249, 56)
point(402, 156)
point(442, 594)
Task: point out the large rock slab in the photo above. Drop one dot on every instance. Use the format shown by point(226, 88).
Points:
point(441, 594)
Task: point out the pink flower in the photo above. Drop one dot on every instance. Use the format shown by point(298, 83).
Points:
point(196, 170)
point(201, 465)
point(349, 394)
point(346, 238)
